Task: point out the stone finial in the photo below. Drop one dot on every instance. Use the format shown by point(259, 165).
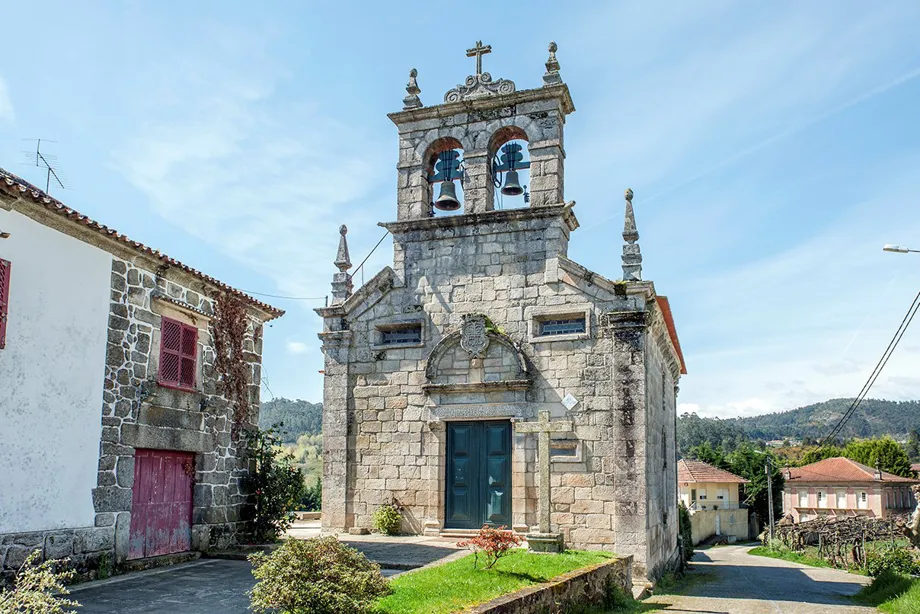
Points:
point(632, 257)
point(341, 281)
point(552, 67)
point(342, 259)
point(412, 101)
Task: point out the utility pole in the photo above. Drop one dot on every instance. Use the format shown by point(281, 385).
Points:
point(769, 496)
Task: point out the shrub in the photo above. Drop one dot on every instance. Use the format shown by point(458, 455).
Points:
point(686, 531)
point(492, 542)
point(388, 518)
point(315, 576)
point(37, 589)
point(311, 499)
point(896, 560)
point(275, 482)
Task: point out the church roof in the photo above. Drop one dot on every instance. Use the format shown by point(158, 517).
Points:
point(698, 471)
point(665, 307)
point(18, 187)
point(840, 469)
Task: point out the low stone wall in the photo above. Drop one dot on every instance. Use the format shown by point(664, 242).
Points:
point(88, 549)
point(588, 586)
point(308, 515)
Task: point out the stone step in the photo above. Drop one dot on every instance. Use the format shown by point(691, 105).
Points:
point(458, 533)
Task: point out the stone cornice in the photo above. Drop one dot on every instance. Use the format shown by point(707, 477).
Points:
point(560, 92)
point(380, 283)
point(514, 384)
point(619, 288)
point(498, 216)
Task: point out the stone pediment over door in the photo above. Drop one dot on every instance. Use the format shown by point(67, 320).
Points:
point(479, 361)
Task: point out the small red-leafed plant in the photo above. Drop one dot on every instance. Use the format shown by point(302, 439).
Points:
point(493, 542)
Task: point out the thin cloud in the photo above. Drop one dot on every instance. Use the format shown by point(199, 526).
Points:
point(297, 347)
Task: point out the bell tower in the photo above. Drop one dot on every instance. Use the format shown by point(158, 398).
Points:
point(468, 154)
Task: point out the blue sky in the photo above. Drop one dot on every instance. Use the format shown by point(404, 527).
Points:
point(773, 149)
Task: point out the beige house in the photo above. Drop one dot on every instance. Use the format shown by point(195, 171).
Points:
point(712, 496)
point(842, 487)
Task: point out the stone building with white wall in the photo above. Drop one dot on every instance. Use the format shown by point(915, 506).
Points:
point(117, 440)
point(444, 372)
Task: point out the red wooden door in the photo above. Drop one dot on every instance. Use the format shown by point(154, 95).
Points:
point(161, 508)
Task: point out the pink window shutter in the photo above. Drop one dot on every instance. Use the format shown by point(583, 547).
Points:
point(5, 266)
point(170, 351)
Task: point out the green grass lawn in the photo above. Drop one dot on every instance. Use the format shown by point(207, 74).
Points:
point(456, 585)
point(892, 593)
point(788, 555)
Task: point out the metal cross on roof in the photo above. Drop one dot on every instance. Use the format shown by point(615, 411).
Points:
point(479, 50)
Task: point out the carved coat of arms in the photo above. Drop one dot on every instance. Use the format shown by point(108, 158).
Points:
point(473, 337)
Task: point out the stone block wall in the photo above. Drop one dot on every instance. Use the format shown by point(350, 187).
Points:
point(139, 413)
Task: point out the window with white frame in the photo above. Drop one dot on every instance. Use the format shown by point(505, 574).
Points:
point(822, 498)
point(803, 498)
point(862, 500)
point(841, 499)
point(701, 495)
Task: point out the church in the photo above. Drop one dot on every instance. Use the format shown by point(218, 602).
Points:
point(485, 378)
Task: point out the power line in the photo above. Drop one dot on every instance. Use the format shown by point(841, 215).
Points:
point(892, 345)
point(288, 298)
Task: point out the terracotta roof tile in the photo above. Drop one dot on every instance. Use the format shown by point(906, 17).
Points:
point(19, 187)
point(915, 468)
point(840, 469)
point(665, 307)
point(698, 471)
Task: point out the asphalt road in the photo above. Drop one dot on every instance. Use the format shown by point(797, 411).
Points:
point(733, 582)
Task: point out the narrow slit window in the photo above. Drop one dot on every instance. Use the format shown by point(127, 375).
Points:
point(403, 335)
point(562, 326)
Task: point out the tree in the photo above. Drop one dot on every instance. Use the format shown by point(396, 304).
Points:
point(883, 452)
point(708, 454)
point(912, 447)
point(817, 454)
point(748, 462)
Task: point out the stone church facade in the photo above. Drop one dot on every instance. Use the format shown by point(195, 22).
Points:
point(433, 367)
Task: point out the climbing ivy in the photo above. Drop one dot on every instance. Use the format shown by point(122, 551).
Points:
point(228, 331)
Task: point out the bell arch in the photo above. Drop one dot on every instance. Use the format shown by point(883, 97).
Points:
point(509, 167)
point(443, 165)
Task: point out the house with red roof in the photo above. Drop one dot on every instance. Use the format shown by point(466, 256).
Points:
point(713, 497)
point(916, 469)
point(120, 418)
point(840, 487)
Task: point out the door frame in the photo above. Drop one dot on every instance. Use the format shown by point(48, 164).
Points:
point(481, 492)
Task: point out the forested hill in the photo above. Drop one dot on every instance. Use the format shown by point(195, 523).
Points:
point(874, 418)
point(299, 417)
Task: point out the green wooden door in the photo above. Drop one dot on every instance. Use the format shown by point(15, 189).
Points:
point(478, 474)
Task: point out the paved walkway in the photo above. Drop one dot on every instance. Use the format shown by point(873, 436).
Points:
point(730, 580)
point(213, 586)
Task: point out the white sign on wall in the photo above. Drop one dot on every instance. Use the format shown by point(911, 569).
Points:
point(569, 401)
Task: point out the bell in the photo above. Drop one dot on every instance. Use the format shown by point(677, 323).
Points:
point(447, 200)
point(512, 185)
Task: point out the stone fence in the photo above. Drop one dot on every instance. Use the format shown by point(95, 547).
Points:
point(588, 586)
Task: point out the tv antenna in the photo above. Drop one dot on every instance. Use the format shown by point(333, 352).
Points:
point(48, 162)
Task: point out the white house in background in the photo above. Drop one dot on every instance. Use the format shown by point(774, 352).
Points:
point(842, 487)
point(117, 441)
point(713, 497)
